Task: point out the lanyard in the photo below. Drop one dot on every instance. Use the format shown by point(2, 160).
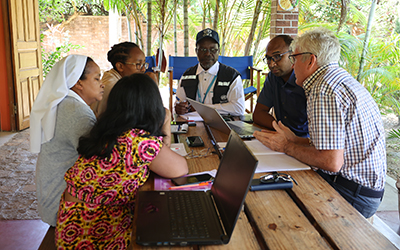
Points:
point(208, 90)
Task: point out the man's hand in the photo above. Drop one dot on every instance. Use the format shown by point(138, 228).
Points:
point(276, 140)
point(182, 107)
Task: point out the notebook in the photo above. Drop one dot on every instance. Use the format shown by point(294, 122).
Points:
point(214, 119)
point(158, 222)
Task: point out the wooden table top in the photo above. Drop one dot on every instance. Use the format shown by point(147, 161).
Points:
point(311, 215)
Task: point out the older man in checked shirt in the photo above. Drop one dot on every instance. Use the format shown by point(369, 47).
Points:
point(347, 140)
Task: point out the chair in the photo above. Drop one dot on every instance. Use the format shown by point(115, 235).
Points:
point(177, 66)
point(151, 60)
point(244, 64)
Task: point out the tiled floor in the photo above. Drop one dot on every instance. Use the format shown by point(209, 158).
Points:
point(22, 234)
point(28, 234)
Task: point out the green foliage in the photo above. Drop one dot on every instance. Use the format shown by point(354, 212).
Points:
point(394, 133)
point(397, 27)
point(59, 10)
point(381, 73)
point(50, 58)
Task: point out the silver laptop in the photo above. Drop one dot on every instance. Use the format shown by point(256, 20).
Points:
point(168, 218)
point(213, 118)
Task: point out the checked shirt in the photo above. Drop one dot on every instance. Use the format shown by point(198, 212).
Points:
point(343, 115)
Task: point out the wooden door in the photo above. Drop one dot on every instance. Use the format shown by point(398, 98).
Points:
point(26, 56)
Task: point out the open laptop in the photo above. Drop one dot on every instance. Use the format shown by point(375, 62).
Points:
point(157, 211)
point(214, 119)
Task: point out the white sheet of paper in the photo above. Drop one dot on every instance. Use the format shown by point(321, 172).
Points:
point(260, 149)
point(179, 148)
point(279, 162)
point(194, 116)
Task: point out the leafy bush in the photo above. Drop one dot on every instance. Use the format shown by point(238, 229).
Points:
point(59, 11)
point(59, 40)
point(50, 58)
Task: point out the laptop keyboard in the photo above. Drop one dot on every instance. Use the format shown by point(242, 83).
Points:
point(187, 215)
point(242, 131)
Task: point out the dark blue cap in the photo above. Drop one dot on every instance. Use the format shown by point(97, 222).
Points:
point(207, 33)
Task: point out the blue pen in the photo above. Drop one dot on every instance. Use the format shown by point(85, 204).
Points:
point(177, 98)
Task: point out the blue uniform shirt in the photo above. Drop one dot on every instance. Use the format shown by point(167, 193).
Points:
point(288, 100)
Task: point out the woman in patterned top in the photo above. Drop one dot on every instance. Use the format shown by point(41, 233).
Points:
point(96, 209)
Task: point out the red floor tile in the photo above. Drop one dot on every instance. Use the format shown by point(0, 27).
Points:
point(22, 234)
point(390, 218)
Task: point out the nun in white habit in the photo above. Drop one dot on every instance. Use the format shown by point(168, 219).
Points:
point(59, 116)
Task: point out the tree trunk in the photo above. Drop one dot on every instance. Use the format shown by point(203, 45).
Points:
point(343, 14)
point(366, 39)
point(257, 11)
point(216, 12)
point(185, 28)
point(266, 20)
point(128, 22)
point(148, 46)
point(204, 9)
point(175, 35)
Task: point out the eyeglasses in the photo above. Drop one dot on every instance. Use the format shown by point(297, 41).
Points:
point(139, 66)
point(292, 58)
point(202, 153)
point(275, 58)
point(270, 178)
point(204, 50)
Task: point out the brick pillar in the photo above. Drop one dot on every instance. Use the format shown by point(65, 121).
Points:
point(283, 21)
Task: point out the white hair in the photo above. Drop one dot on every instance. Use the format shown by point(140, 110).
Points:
point(321, 42)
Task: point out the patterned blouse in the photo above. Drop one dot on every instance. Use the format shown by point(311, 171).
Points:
point(108, 188)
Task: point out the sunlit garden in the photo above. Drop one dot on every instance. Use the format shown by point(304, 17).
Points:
point(369, 33)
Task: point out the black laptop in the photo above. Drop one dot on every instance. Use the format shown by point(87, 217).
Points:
point(213, 118)
point(197, 217)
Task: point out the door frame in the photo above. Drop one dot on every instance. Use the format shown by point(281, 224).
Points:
point(9, 71)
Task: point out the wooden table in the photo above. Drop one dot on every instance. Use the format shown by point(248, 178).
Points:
point(311, 215)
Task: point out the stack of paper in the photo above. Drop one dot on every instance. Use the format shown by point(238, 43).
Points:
point(269, 160)
point(192, 116)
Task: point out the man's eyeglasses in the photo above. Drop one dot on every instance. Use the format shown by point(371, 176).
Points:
point(271, 178)
point(204, 50)
point(275, 58)
point(292, 57)
point(139, 66)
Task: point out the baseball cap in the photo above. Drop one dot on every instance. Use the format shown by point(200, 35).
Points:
point(207, 33)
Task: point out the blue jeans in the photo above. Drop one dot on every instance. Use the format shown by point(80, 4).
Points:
point(367, 206)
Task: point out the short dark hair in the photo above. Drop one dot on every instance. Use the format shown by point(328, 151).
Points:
point(85, 70)
point(286, 38)
point(120, 53)
point(134, 102)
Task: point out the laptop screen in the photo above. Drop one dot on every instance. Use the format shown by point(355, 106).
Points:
point(210, 116)
point(232, 180)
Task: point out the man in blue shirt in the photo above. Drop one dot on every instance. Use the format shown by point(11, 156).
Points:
point(280, 91)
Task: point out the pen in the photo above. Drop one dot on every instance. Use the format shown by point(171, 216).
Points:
point(191, 185)
point(188, 106)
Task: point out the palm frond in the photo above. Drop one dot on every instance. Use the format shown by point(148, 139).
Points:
point(394, 133)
